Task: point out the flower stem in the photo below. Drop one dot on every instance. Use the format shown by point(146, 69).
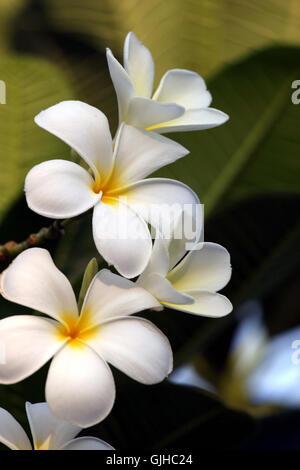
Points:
point(12, 249)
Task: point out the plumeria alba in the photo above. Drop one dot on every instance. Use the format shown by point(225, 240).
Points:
point(123, 201)
point(80, 386)
point(180, 103)
point(188, 283)
point(48, 432)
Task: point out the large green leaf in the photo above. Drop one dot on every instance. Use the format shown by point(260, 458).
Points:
point(257, 151)
point(201, 35)
point(31, 86)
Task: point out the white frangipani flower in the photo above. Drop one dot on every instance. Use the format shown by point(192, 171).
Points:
point(48, 432)
point(80, 387)
point(191, 284)
point(180, 103)
point(123, 201)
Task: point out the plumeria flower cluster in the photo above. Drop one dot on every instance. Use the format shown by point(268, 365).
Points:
point(111, 180)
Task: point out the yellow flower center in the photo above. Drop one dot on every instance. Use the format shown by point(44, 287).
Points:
point(77, 330)
point(44, 445)
point(111, 187)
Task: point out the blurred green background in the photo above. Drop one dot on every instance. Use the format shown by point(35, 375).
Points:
point(235, 384)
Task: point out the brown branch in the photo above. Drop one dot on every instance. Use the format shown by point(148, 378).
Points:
point(11, 249)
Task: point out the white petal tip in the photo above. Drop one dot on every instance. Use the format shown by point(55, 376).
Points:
point(37, 118)
point(226, 117)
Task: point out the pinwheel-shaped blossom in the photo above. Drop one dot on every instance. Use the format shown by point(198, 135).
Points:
point(122, 200)
point(48, 432)
point(180, 103)
point(80, 386)
point(190, 285)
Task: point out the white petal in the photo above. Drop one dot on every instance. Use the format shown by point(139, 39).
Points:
point(145, 113)
point(84, 128)
point(11, 433)
point(27, 342)
point(136, 347)
point(160, 201)
point(80, 387)
point(193, 120)
point(206, 304)
point(183, 87)
point(34, 281)
point(110, 296)
point(60, 189)
point(121, 237)
point(206, 268)
point(47, 429)
point(163, 290)
point(159, 261)
point(138, 63)
point(122, 83)
point(139, 153)
point(87, 443)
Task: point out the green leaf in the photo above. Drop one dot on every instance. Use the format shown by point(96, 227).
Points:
point(31, 86)
point(90, 272)
point(199, 35)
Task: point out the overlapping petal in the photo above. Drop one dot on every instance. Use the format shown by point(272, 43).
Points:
point(208, 304)
point(181, 240)
point(138, 63)
point(47, 429)
point(121, 236)
point(136, 347)
point(122, 83)
point(34, 281)
point(160, 201)
point(163, 290)
point(80, 387)
point(192, 120)
point(28, 343)
point(159, 260)
point(167, 252)
point(60, 189)
point(147, 113)
point(139, 153)
point(207, 268)
point(110, 296)
point(84, 128)
point(183, 87)
point(11, 432)
point(87, 443)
